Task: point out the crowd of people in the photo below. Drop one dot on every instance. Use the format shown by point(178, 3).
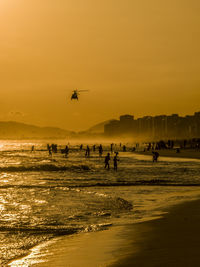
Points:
point(113, 150)
point(53, 148)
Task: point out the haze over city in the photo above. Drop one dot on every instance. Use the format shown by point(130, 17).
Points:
point(99, 133)
point(135, 57)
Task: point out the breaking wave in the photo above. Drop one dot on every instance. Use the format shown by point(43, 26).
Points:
point(45, 167)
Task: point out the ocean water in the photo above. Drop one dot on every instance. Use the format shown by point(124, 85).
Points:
point(43, 197)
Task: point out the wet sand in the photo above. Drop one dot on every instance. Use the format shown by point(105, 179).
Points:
point(92, 249)
point(187, 153)
point(172, 240)
point(169, 241)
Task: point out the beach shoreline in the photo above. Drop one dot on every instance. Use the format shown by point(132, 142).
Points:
point(171, 240)
point(185, 153)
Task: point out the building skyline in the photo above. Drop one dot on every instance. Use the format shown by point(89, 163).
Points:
point(155, 127)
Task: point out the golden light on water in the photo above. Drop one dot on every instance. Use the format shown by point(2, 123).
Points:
point(132, 57)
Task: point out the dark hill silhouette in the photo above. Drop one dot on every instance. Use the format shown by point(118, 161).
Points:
point(16, 130)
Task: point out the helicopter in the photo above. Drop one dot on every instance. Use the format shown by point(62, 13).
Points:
point(75, 94)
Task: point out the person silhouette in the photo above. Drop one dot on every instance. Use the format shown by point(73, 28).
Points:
point(124, 148)
point(107, 159)
point(100, 150)
point(155, 156)
point(87, 152)
point(115, 160)
point(111, 147)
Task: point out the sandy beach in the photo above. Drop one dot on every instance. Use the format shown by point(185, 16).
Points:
point(172, 240)
point(186, 153)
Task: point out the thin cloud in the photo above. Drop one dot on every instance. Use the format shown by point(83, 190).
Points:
point(16, 114)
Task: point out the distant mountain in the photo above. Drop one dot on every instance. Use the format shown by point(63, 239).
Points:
point(16, 130)
point(98, 128)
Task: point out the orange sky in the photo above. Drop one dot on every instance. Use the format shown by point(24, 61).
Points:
point(138, 57)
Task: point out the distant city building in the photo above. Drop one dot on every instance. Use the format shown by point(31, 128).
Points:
point(112, 128)
point(157, 127)
point(126, 124)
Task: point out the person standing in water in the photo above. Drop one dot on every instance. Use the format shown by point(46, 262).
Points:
point(115, 160)
point(100, 150)
point(87, 152)
point(66, 151)
point(124, 148)
point(50, 151)
point(111, 147)
point(107, 160)
point(155, 156)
